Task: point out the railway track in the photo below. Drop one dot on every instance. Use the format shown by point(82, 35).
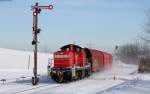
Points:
point(23, 89)
point(11, 80)
point(37, 88)
point(40, 88)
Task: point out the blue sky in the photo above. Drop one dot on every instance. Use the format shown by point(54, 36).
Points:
point(99, 23)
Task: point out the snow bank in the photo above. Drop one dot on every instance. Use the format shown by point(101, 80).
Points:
point(21, 60)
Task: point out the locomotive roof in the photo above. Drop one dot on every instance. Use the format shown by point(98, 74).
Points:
point(66, 46)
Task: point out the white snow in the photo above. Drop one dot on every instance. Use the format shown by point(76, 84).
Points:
point(121, 79)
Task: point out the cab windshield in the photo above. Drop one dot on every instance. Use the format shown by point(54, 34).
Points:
point(69, 47)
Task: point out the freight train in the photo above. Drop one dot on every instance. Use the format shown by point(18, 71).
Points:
point(73, 62)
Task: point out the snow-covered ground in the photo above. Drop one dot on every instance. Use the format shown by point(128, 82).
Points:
point(16, 67)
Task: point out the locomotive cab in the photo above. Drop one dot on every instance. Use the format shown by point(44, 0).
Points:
point(69, 56)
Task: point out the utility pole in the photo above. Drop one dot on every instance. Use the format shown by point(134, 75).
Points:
point(116, 52)
point(36, 10)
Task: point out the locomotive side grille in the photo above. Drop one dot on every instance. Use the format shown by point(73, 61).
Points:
point(62, 56)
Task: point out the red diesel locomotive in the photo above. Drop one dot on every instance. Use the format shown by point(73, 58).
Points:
point(73, 62)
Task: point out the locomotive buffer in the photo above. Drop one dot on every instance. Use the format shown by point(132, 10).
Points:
point(36, 10)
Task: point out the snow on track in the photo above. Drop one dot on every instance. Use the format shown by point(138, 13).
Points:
point(97, 82)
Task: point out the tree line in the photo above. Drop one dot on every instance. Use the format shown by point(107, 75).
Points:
point(139, 52)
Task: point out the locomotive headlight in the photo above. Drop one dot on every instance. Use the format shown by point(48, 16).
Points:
point(62, 56)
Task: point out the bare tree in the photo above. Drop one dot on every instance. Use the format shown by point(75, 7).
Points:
point(129, 53)
point(144, 60)
point(146, 36)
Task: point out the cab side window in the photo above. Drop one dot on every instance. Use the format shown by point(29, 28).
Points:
point(77, 49)
point(67, 49)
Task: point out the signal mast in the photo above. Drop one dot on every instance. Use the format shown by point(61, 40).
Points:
point(36, 10)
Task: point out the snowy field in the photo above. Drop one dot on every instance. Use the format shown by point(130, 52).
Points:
point(16, 68)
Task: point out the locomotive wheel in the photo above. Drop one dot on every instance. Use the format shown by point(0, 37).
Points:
point(79, 74)
point(88, 72)
point(35, 80)
point(58, 77)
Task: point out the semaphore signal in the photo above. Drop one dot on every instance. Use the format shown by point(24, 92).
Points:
point(36, 10)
